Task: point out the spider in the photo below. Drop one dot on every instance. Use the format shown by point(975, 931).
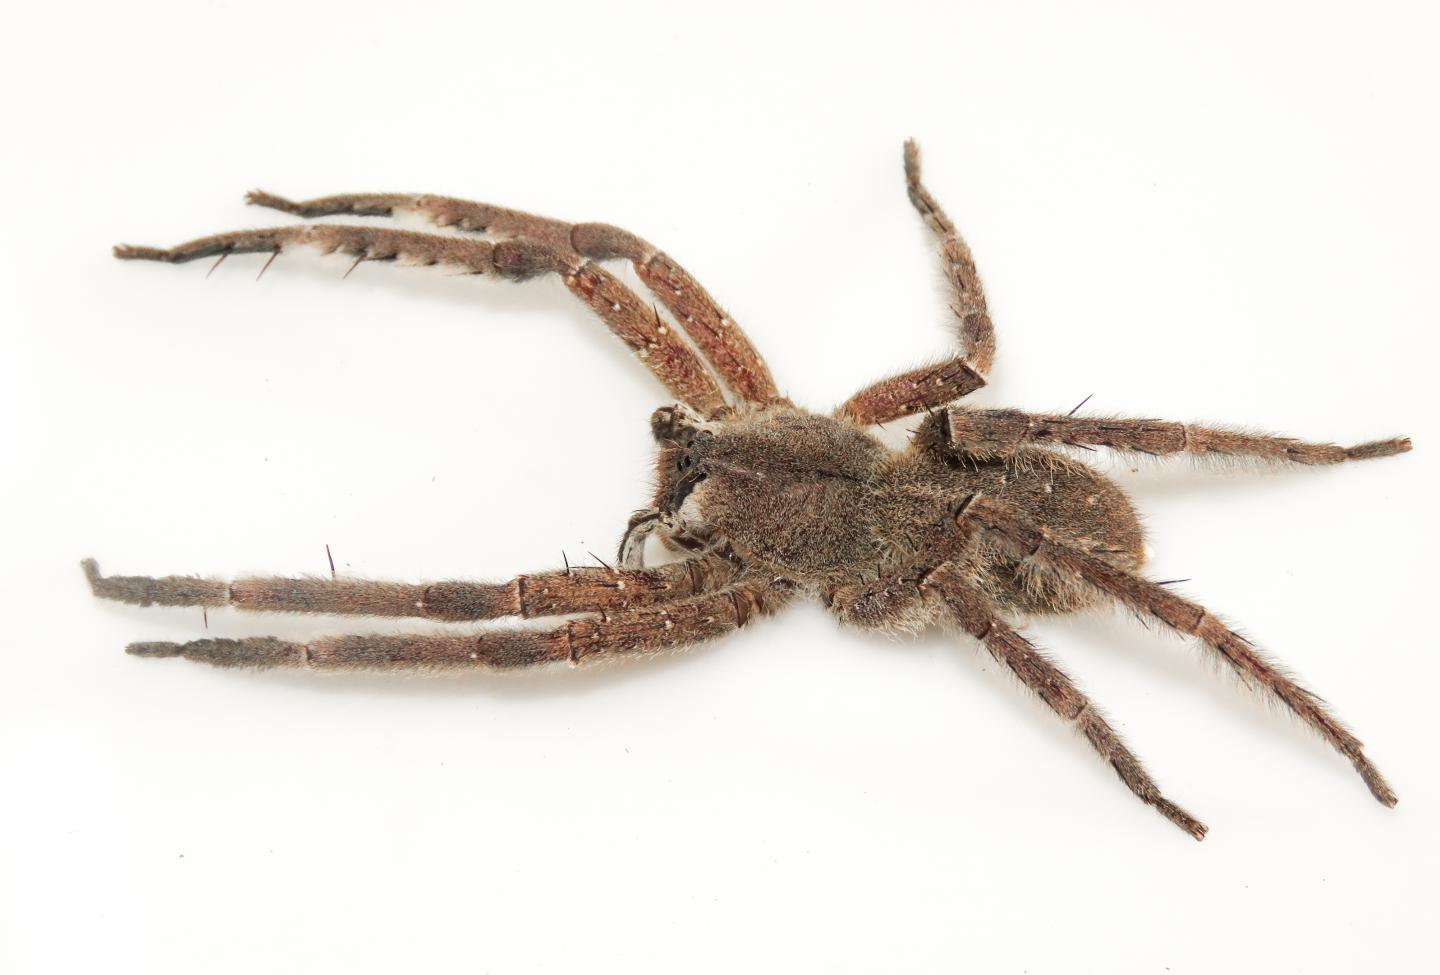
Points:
point(986, 516)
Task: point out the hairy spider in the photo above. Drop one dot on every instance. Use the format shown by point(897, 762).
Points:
point(981, 520)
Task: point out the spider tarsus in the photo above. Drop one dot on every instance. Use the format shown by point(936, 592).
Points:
point(163, 591)
point(1379, 788)
point(912, 161)
point(1378, 448)
point(259, 652)
point(108, 588)
point(155, 649)
point(136, 252)
point(260, 198)
point(1181, 818)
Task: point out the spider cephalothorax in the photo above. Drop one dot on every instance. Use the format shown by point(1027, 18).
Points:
point(978, 521)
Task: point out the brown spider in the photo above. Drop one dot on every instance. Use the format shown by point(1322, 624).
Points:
point(979, 521)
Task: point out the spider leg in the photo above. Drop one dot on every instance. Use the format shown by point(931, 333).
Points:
point(912, 392)
point(716, 335)
point(574, 590)
point(931, 386)
point(676, 625)
point(1184, 616)
point(665, 354)
point(993, 434)
point(904, 595)
point(977, 614)
point(977, 334)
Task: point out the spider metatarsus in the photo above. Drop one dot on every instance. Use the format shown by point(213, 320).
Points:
point(981, 520)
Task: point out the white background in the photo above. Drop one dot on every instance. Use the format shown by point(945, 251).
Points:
point(1218, 212)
